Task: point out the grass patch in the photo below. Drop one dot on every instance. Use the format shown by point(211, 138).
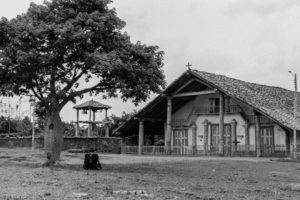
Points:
point(4, 157)
point(19, 159)
point(144, 177)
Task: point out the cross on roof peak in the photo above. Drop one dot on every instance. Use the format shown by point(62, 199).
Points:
point(189, 66)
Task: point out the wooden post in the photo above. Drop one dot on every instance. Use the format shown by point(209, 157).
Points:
point(33, 132)
point(295, 117)
point(291, 145)
point(205, 124)
point(165, 135)
point(221, 125)
point(247, 139)
point(227, 104)
point(141, 137)
point(94, 125)
point(287, 142)
point(106, 130)
point(233, 129)
point(90, 123)
point(169, 124)
point(123, 143)
point(77, 123)
point(194, 139)
point(106, 125)
point(257, 134)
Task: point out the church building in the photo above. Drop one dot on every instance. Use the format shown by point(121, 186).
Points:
point(202, 113)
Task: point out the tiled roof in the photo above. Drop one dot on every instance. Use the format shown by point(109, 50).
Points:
point(92, 105)
point(275, 102)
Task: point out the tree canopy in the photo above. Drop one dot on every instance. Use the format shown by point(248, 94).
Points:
point(65, 48)
point(117, 121)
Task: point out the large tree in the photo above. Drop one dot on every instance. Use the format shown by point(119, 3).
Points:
point(63, 49)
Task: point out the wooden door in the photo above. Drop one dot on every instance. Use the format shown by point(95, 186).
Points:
point(227, 139)
point(180, 141)
point(214, 137)
point(267, 140)
point(227, 142)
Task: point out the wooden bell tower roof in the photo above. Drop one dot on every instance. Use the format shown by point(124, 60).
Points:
point(93, 105)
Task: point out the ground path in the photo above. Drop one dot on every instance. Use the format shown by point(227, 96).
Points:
point(146, 177)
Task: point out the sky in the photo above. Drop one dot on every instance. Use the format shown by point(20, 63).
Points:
point(256, 41)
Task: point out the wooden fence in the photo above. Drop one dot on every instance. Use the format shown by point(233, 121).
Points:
point(210, 150)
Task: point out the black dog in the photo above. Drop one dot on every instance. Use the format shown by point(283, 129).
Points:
point(87, 161)
point(95, 161)
point(91, 162)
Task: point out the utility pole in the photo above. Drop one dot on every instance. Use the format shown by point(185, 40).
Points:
point(295, 114)
point(32, 104)
point(9, 125)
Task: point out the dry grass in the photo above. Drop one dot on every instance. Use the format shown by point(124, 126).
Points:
point(145, 177)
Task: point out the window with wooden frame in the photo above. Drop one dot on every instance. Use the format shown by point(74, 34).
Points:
point(214, 105)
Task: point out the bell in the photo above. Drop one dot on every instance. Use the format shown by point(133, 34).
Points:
point(84, 112)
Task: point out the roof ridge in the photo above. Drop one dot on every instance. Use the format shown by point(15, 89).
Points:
point(264, 85)
point(92, 103)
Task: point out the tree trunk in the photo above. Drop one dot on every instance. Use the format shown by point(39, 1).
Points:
point(53, 138)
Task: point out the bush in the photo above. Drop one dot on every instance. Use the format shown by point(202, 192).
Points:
point(16, 127)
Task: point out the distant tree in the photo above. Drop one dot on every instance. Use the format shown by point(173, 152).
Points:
point(4, 126)
point(26, 125)
point(69, 129)
point(15, 126)
point(119, 120)
point(8, 125)
point(54, 50)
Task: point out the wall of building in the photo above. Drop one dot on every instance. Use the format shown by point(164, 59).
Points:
point(184, 111)
point(109, 145)
point(199, 101)
point(292, 138)
point(252, 136)
point(203, 101)
point(20, 142)
point(279, 135)
point(214, 119)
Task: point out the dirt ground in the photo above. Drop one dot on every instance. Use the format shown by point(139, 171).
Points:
point(146, 177)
